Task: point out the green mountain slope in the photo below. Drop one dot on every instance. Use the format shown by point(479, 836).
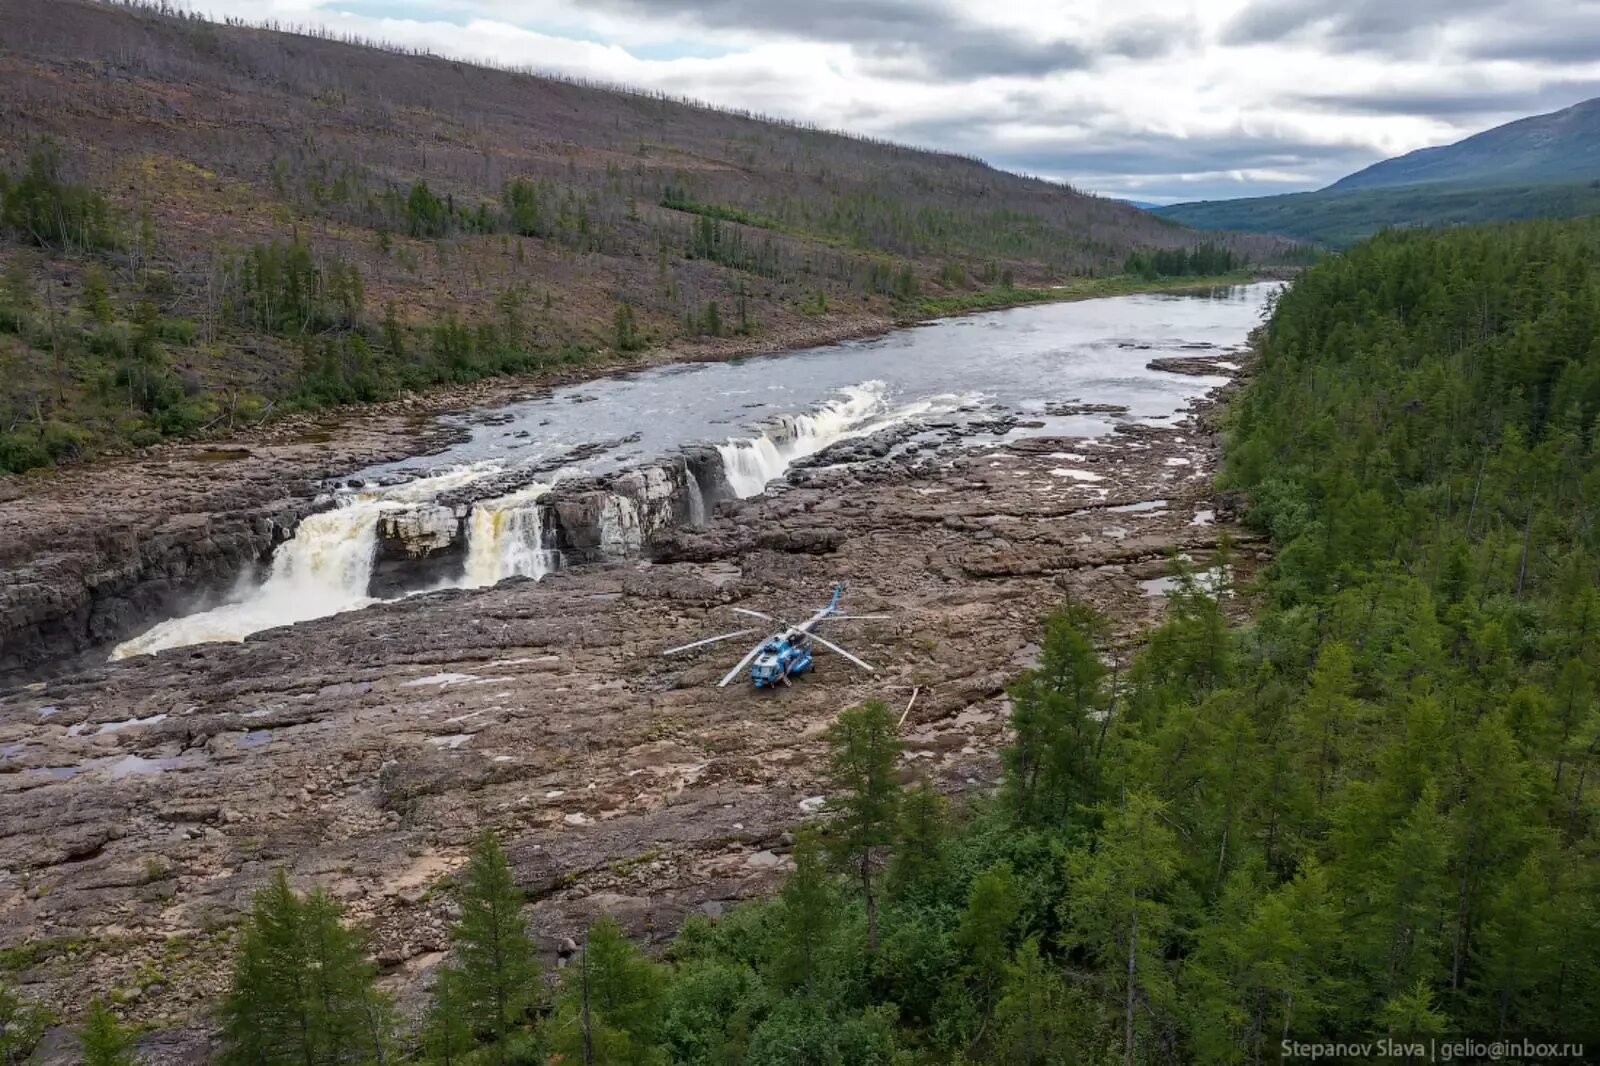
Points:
point(1340, 218)
point(1546, 166)
point(1561, 146)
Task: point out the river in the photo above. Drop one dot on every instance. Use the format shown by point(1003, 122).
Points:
point(760, 414)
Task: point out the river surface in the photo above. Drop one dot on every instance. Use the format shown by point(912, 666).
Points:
point(1026, 362)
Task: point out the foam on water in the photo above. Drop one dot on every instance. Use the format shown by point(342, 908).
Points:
point(1011, 358)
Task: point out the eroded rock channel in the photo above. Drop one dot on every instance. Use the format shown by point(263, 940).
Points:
point(141, 801)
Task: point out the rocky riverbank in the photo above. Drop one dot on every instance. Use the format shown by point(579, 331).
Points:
point(142, 802)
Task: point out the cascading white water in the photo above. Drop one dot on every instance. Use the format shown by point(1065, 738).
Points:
point(697, 499)
point(751, 462)
point(324, 569)
point(506, 538)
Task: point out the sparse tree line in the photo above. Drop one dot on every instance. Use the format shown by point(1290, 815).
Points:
point(1200, 261)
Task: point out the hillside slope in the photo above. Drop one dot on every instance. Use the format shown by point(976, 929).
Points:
point(205, 223)
point(1561, 146)
point(1340, 218)
point(1546, 166)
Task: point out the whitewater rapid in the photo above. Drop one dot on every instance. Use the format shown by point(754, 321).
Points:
point(327, 566)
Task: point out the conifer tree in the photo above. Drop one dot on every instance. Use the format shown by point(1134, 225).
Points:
point(22, 1025)
point(921, 841)
point(102, 1041)
point(497, 967)
point(611, 1003)
point(1039, 1021)
point(446, 1036)
point(983, 935)
point(867, 796)
point(1114, 907)
point(302, 988)
point(810, 910)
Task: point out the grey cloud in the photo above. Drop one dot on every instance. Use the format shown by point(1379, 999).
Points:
point(1493, 106)
point(1568, 34)
point(914, 38)
point(1083, 152)
point(1376, 25)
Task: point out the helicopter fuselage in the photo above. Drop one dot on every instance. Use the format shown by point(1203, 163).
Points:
point(782, 657)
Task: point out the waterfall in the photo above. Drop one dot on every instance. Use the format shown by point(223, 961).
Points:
point(507, 538)
point(697, 499)
point(324, 568)
point(750, 463)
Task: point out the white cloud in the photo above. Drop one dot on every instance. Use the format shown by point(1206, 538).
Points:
point(1144, 97)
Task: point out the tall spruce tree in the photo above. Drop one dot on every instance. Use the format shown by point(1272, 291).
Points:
point(809, 914)
point(921, 845)
point(446, 1036)
point(1115, 908)
point(867, 796)
point(984, 933)
point(611, 1003)
point(497, 968)
point(302, 988)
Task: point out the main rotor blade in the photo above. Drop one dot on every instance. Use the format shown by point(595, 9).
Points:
point(853, 617)
point(742, 664)
point(708, 640)
point(753, 614)
point(829, 644)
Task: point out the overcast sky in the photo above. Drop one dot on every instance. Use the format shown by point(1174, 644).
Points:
point(1145, 99)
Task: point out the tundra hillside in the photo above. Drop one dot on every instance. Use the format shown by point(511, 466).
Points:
point(201, 224)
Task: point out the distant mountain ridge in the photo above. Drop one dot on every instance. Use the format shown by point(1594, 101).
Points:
point(1545, 166)
point(1561, 146)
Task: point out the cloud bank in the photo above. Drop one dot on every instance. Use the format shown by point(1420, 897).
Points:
point(1148, 99)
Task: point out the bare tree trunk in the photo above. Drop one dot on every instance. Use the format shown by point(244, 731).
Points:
point(872, 904)
point(1472, 510)
point(1461, 909)
point(588, 1037)
point(1127, 1021)
point(1527, 536)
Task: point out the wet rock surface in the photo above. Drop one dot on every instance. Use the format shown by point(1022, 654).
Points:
point(142, 802)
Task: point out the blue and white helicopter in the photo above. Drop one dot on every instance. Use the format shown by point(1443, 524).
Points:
point(787, 652)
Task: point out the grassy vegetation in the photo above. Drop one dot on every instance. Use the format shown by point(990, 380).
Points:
point(676, 201)
point(100, 355)
point(1340, 218)
point(108, 369)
